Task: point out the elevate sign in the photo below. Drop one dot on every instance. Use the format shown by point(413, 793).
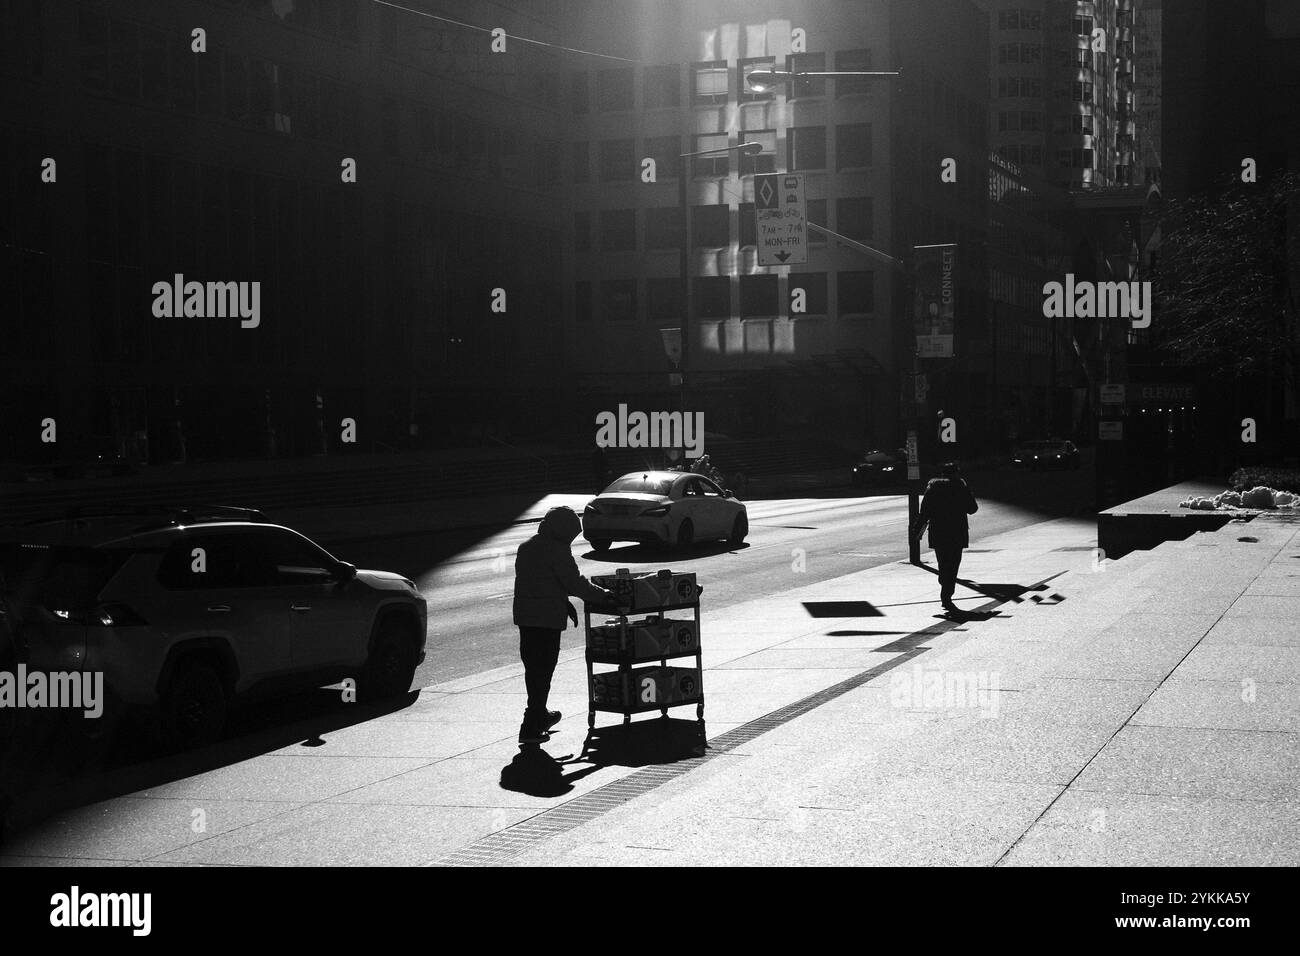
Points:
point(781, 228)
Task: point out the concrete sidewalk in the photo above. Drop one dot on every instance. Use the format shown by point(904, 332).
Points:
point(1132, 712)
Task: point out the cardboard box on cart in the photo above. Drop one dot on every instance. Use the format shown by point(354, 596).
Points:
point(651, 590)
point(649, 637)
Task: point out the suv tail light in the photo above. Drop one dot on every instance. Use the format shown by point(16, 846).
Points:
point(591, 509)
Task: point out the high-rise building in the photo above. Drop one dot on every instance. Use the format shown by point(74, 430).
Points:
point(134, 150)
point(1148, 87)
point(817, 346)
point(1062, 89)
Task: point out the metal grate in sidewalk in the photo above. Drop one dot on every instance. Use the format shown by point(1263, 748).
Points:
point(504, 845)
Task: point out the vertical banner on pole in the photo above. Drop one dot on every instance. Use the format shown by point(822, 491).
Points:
point(936, 300)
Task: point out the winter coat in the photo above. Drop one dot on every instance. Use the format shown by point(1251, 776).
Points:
point(546, 574)
point(945, 506)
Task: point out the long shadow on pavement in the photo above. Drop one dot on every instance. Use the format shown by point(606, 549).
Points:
point(131, 762)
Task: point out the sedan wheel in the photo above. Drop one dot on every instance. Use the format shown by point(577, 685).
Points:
point(739, 528)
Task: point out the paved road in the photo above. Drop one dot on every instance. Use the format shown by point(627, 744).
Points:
point(468, 576)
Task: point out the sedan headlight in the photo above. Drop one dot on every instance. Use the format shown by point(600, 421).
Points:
point(887, 468)
point(658, 512)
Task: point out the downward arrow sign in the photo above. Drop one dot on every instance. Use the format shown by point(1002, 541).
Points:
point(783, 255)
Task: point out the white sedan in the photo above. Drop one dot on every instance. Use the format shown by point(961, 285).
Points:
point(664, 507)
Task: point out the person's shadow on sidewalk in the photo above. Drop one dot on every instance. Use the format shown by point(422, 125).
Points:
point(535, 772)
point(1009, 593)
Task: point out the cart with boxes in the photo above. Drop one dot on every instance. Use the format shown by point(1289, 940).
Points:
point(638, 638)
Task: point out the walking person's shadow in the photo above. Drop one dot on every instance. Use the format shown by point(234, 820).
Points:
point(1005, 593)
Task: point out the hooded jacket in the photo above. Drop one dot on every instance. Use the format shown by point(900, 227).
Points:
point(546, 574)
point(945, 506)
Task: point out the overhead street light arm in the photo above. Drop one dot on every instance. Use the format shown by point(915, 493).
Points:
point(860, 246)
point(750, 148)
point(760, 81)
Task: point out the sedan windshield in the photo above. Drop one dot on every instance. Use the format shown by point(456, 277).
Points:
point(641, 484)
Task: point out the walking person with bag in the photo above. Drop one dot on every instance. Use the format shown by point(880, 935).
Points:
point(944, 508)
point(545, 577)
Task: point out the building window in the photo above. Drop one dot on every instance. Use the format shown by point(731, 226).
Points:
point(853, 146)
point(807, 63)
point(618, 300)
point(758, 296)
point(1020, 53)
point(614, 89)
point(805, 147)
point(666, 152)
point(617, 160)
point(1081, 92)
point(744, 68)
point(815, 210)
point(663, 299)
point(618, 230)
point(855, 217)
point(1081, 26)
point(716, 164)
point(856, 292)
point(712, 296)
point(582, 232)
point(850, 61)
point(1081, 124)
point(748, 225)
point(814, 286)
point(579, 95)
point(662, 87)
point(663, 227)
point(1031, 86)
point(710, 226)
point(582, 301)
point(1020, 20)
point(581, 162)
point(764, 162)
point(709, 82)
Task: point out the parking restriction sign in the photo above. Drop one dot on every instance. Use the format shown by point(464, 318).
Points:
point(781, 228)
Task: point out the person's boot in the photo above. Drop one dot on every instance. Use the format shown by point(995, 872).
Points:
point(552, 718)
point(528, 734)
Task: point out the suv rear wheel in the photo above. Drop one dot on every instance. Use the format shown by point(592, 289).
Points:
point(391, 666)
point(194, 706)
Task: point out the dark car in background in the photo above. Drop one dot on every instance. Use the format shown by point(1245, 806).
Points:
point(1043, 455)
point(878, 467)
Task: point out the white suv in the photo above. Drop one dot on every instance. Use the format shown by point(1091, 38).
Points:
point(187, 613)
